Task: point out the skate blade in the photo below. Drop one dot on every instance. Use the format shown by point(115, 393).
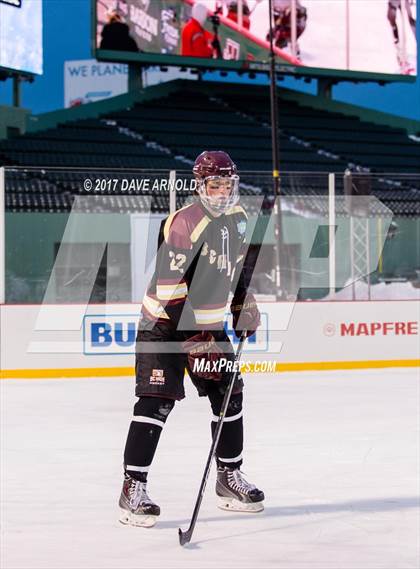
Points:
point(234, 505)
point(143, 521)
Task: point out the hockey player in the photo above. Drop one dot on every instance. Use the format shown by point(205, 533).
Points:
point(393, 6)
point(282, 12)
point(200, 260)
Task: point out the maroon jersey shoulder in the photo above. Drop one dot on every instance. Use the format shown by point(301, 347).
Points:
point(183, 227)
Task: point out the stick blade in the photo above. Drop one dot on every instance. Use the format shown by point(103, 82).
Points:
point(184, 536)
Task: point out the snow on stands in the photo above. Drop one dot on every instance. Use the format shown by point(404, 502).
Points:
point(380, 291)
point(336, 454)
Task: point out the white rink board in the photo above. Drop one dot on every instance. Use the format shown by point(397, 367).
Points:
point(101, 337)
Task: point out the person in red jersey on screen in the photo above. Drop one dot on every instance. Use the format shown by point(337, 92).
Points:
point(201, 259)
point(195, 40)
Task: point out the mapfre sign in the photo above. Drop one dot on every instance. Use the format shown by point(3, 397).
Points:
point(407, 328)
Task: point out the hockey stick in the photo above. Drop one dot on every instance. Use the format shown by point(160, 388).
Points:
point(185, 536)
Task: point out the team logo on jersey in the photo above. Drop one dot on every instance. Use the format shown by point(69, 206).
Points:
point(210, 252)
point(241, 227)
point(223, 262)
point(224, 265)
point(157, 377)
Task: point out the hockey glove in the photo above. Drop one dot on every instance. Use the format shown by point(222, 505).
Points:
point(203, 354)
point(246, 315)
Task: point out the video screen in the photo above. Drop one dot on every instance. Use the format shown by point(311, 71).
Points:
point(377, 36)
point(21, 35)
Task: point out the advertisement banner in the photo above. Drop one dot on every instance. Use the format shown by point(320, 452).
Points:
point(87, 81)
point(100, 340)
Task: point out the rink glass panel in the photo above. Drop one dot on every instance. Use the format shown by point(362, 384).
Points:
point(66, 243)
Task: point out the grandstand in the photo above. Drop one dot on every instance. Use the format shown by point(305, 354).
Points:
point(165, 128)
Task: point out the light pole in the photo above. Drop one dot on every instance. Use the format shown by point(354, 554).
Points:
point(275, 156)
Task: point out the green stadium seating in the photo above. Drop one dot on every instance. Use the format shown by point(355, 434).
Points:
point(167, 133)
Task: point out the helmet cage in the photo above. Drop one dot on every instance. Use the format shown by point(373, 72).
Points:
point(219, 204)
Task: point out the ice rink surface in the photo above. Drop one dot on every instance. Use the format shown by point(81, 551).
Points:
point(336, 454)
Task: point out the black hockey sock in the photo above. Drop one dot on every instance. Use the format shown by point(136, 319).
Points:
point(392, 18)
point(150, 414)
point(413, 25)
point(229, 448)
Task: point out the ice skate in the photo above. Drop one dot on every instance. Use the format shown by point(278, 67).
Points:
point(405, 67)
point(235, 493)
point(399, 53)
point(136, 508)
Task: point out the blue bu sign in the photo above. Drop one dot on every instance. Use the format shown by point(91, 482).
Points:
point(116, 334)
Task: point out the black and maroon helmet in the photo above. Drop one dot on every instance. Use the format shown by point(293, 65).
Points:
point(213, 167)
